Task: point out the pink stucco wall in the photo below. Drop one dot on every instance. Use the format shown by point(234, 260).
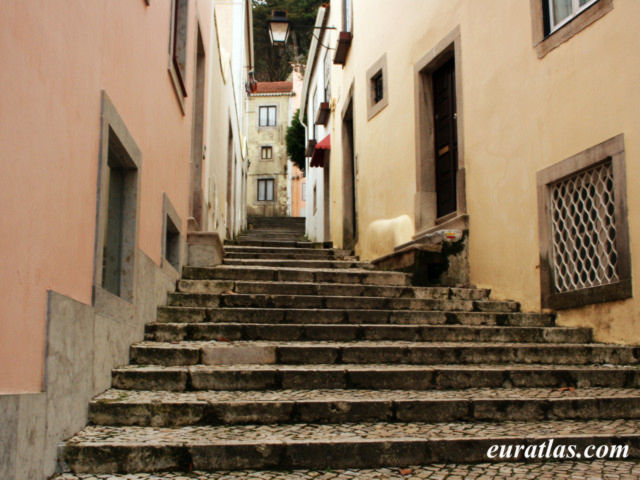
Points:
point(56, 59)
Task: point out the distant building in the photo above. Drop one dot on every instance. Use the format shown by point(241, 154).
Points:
point(268, 117)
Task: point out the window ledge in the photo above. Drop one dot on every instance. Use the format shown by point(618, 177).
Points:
point(342, 49)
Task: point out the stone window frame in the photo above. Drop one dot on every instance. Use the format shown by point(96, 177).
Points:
point(263, 158)
point(378, 68)
point(613, 150)
point(179, 75)
point(268, 105)
point(544, 42)
point(111, 124)
point(169, 213)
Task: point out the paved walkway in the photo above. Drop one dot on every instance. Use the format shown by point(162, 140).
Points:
point(597, 470)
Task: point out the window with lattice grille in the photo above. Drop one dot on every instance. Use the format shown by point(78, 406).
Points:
point(583, 228)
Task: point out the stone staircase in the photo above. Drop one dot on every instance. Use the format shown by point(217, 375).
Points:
point(289, 356)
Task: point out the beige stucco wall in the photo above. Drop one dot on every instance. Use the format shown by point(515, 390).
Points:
point(57, 57)
point(275, 168)
point(519, 115)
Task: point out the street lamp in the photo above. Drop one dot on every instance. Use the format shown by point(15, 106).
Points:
point(278, 27)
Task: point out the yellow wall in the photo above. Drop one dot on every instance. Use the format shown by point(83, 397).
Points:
point(520, 114)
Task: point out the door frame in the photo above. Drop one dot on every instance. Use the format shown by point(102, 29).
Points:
point(426, 218)
point(349, 172)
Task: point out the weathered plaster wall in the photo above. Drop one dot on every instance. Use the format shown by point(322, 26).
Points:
point(520, 114)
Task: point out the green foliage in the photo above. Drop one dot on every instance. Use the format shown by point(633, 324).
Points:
point(295, 141)
point(274, 63)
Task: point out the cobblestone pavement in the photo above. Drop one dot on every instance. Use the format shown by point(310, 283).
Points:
point(195, 435)
point(143, 396)
point(597, 470)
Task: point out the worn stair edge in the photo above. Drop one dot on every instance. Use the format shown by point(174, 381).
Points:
point(332, 289)
point(425, 333)
point(349, 316)
point(199, 449)
point(349, 376)
point(375, 352)
point(117, 408)
point(181, 299)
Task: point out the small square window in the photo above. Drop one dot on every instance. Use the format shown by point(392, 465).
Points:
point(265, 189)
point(378, 84)
point(172, 243)
point(267, 116)
point(377, 87)
point(304, 191)
point(266, 153)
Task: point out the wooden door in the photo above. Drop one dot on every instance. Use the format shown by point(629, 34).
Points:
point(446, 142)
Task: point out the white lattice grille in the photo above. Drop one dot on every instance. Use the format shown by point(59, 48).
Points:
point(583, 230)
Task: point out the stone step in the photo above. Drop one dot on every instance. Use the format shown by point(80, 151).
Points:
point(287, 236)
point(276, 263)
point(175, 332)
point(312, 255)
point(330, 289)
point(376, 352)
point(349, 316)
point(403, 377)
point(273, 243)
point(170, 409)
point(342, 302)
point(262, 273)
point(103, 449)
point(558, 470)
point(285, 250)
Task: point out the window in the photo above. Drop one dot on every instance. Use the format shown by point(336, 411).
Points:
point(377, 84)
point(266, 153)
point(171, 238)
point(265, 190)
point(315, 199)
point(304, 191)
point(119, 164)
point(268, 116)
point(347, 13)
point(562, 11)
point(583, 229)
point(327, 76)
point(178, 48)
point(378, 87)
point(556, 21)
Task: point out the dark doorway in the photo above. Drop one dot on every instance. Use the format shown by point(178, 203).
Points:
point(197, 143)
point(350, 224)
point(446, 137)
